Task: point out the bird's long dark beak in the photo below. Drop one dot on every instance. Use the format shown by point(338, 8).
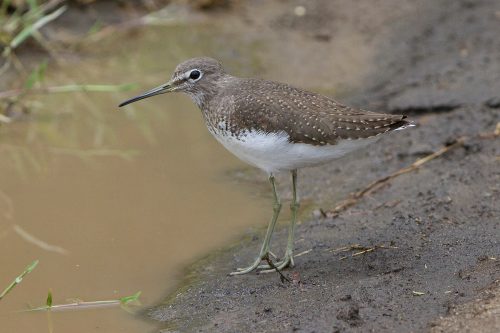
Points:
point(164, 88)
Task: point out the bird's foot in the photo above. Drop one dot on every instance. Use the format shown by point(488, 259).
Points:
point(256, 264)
point(269, 267)
point(282, 264)
point(252, 267)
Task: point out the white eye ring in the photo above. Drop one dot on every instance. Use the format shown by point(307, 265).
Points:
point(193, 75)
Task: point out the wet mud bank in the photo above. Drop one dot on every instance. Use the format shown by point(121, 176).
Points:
point(435, 239)
point(423, 247)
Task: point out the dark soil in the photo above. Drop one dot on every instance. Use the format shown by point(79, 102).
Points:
point(439, 226)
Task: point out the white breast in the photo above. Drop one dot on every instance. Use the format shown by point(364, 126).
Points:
point(272, 152)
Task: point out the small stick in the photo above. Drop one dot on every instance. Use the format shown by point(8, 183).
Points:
point(377, 184)
point(271, 264)
point(302, 253)
point(363, 252)
point(79, 305)
point(343, 248)
point(363, 249)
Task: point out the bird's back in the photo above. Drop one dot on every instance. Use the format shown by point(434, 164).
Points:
point(307, 117)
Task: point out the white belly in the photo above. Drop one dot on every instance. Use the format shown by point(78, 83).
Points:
point(273, 152)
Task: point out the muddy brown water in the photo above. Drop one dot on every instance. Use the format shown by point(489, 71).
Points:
point(113, 201)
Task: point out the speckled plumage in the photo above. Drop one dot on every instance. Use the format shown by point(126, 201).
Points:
point(267, 106)
point(239, 110)
point(264, 121)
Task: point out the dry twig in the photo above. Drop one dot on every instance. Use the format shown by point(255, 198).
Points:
point(283, 278)
point(374, 186)
point(363, 249)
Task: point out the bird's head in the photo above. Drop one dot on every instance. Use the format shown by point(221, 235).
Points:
point(197, 77)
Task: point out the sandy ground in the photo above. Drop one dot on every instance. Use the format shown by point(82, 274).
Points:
point(435, 231)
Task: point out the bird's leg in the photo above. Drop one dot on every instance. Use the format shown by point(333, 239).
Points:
point(294, 206)
point(264, 251)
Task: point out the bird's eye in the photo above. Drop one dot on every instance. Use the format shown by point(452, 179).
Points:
point(195, 74)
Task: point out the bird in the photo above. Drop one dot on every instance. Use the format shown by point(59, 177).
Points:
point(275, 127)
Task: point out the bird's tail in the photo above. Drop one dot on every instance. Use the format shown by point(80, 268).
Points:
point(402, 124)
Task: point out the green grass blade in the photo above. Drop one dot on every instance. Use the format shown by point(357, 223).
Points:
point(28, 31)
point(32, 4)
point(48, 303)
point(96, 27)
point(131, 298)
point(37, 75)
point(92, 88)
point(69, 88)
point(19, 278)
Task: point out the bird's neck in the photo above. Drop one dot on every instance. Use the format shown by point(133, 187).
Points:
point(200, 98)
point(203, 95)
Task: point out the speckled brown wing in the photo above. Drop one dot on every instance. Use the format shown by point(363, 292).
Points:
point(306, 117)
